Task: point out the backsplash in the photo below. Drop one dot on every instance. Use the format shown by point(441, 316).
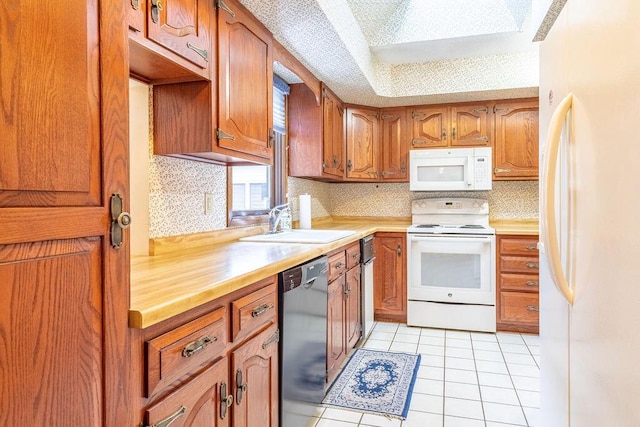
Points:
point(508, 199)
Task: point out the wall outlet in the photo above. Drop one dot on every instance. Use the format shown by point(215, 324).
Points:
point(209, 203)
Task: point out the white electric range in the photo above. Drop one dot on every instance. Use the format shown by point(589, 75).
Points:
point(451, 267)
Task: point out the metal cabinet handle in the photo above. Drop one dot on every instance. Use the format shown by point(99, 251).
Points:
point(226, 401)
point(241, 387)
point(195, 346)
point(260, 310)
point(220, 134)
point(399, 250)
point(135, 4)
point(532, 283)
point(349, 165)
point(444, 134)
point(345, 290)
point(499, 170)
point(415, 142)
point(202, 52)
point(156, 7)
point(120, 220)
point(481, 138)
point(339, 265)
point(453, 133)
point(272, 339)
point(481, 110)
point(168, 421)
point(533, 308)
point(532, 247)
point(532, 265)
point(223, 6)
point(356, 255)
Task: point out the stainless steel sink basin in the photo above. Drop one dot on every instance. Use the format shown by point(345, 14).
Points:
point(301, 236)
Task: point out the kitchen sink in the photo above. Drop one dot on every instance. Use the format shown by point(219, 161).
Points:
point(301, 236)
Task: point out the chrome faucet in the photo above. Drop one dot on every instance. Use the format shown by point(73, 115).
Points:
point(279, 216)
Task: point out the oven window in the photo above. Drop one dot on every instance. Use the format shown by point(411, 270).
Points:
point(460, 271)
point(449, 173)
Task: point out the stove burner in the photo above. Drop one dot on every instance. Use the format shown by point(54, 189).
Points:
point(472, 226)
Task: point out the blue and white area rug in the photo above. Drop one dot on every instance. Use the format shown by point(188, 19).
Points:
point(377, 382)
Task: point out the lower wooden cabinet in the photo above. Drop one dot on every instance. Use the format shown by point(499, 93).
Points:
point(343, 311)
point(517, 283)
point(196, 372)
point(390, 277)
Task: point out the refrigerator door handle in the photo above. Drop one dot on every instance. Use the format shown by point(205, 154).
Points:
point(549, 229)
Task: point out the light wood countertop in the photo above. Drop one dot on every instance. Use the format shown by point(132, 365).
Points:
point(529, 226)
point(172, 282)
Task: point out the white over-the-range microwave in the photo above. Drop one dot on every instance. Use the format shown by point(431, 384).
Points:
point(450, 169)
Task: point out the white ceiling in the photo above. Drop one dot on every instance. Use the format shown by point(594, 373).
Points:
point(407, 52)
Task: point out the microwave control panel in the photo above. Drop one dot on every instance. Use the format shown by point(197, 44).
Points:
point(482, 169)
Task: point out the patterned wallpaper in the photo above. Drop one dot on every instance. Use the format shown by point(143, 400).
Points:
point(320, 196)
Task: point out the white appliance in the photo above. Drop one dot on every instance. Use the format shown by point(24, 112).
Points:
point(450, 169)
point(590, 273)
point(451, 265)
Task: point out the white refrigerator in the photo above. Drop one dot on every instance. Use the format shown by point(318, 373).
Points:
point(590, 216)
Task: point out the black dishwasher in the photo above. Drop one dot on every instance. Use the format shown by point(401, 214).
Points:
point(302, 293)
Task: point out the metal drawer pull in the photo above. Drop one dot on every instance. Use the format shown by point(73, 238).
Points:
point(481, 138)
point(272, 339)
point(240, 387)
point(220, 134)
point(339, 265)
point(168, 421)
point(399, 250)
point(417, 142)
point(197, 345)
point(356, 255)
point(532, 247)
point(498, 170)
point(261, 310)
point(223, 6)
point(532, 283)
point(226, 401)
point(532, 265)
point(533, 308)
point(202, 52)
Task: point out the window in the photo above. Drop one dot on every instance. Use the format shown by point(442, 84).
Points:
point(254, 190)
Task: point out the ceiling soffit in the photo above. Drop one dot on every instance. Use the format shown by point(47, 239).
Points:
point(341, 42)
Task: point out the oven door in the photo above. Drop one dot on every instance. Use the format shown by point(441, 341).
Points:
point(451, 268)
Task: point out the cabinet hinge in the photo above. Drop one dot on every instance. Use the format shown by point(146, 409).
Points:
point(221, 5)
point(220, 134)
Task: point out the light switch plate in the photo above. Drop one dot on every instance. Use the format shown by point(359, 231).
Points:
point(209, 202)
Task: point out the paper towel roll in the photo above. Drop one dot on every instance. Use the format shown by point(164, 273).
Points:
point(305, 211)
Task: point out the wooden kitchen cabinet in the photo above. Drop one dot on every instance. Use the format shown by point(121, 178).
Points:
point(362, 143)
point(245, 83)
point(517, 283)
point(515, 153)
point(171, 40)
point(316, 134)
point(458, 125)
point(218, 361)
point(353, 327)
point(64, 289)
point(336, 342)
point(390, 277)
point(395, 145)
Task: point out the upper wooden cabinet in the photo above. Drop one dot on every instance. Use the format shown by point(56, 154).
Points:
point(515, 154)
point(316, 134)
point(394, 142)
point(362, 143)
point(430, 127)
point(245, 83)
point(171, 40)
point(463, 125)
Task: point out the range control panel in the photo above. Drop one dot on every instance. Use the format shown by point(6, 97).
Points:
point(453, 206)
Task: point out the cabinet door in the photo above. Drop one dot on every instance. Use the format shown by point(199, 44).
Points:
point(333, 135)
point(200, 402)
point(389, 275)
point(245, 82)
point(254, 370)
point(430, 127)
point(395, 145)
point(64, 291)
point(362, 143)
point(516, 140)
point(352, 308)
point(471, 125)
point(182, 26)
point(335, 327)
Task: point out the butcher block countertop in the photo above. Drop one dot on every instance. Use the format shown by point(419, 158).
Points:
point(187, 271)
point(515, 226)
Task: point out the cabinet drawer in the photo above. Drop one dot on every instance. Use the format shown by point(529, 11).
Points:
point(519, 307)
point(518, 246)
point(518, 282)
point(519, 264)
point(185, 349)
point(251, 312)
point(196, 402)
point(353, 255)
point(337, 265)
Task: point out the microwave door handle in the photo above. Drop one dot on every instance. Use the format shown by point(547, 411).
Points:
point(470, 165)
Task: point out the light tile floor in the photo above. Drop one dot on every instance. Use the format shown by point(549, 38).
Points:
point(465, 379)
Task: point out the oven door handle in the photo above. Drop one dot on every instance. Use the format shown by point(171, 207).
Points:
point(451, 238)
